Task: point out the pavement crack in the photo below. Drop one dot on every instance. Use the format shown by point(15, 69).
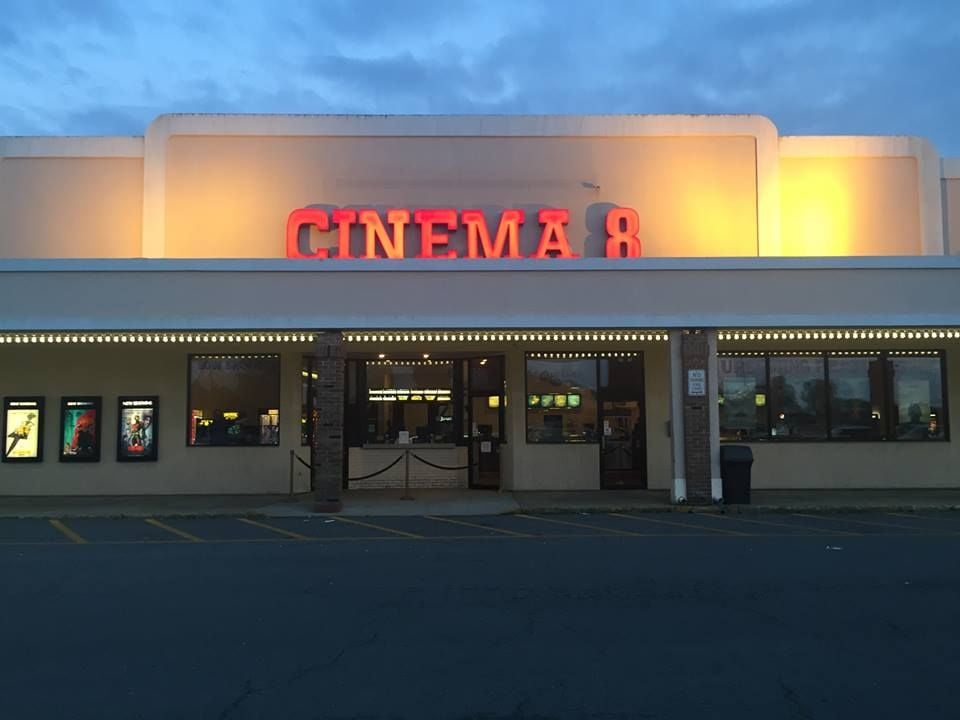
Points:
point(248, 691)
point(790, 695)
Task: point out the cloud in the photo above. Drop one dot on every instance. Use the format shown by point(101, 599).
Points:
point(857, 66)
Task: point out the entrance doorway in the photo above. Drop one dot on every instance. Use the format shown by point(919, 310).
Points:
point(486, 402)
point(623, 444)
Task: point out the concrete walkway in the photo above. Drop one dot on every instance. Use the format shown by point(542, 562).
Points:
point(472, 502)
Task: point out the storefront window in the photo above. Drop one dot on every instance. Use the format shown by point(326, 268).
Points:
point(918, 402)
point(561, 400)
point(410, 402)
point(856, 398)
point(234, 400)
point(878, 395)
point(798, 398)
point(743, 398)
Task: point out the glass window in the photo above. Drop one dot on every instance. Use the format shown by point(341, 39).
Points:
point(856, 398)
point(919, 409)
point(798, 398)
point(410, 401)
point(743, 398)
point(234, 400)
point(561, 400)
point(308, 378)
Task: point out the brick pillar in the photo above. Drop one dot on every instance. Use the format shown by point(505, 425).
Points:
point(695, 356)
point(326, 452)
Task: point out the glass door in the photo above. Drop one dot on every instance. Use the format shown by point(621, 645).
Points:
point(623, 444)
point(485, 409)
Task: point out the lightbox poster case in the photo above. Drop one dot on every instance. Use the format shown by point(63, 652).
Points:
point(137, 432)
point(23, 429)
point(80, 429)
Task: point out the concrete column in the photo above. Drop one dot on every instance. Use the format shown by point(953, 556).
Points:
point(326, 452)
point(695, 359)
point(678, 492)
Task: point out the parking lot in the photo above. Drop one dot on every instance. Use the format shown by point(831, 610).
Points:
point(86, 531)
point(608, 616)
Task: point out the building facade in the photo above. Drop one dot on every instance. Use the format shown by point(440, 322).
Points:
point(512, 302)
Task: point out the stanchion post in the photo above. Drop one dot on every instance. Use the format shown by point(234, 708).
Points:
point(290, 492)
point(406, 476)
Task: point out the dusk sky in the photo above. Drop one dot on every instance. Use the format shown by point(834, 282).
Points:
point(105, 67)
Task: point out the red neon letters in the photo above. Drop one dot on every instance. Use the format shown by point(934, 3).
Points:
point(622, 226)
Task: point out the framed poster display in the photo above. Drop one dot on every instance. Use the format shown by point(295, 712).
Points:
point(80, 429)
point(23, 429)
point(138, 419)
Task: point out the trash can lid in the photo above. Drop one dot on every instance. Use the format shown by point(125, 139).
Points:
point(736, 453)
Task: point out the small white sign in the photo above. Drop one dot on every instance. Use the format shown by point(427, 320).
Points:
point(696, 383)
point(403, 437)
point(607, 430)
point(486, 446)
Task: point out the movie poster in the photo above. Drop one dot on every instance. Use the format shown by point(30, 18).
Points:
point(80, 429)
point(23, 429)
point(137, 436)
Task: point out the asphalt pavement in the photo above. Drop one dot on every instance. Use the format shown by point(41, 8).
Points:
point(607, 616)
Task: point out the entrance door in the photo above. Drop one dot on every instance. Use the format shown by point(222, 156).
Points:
point(623, 447)
point(485, 415)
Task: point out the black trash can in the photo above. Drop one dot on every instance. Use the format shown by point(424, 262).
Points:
point(735, 464)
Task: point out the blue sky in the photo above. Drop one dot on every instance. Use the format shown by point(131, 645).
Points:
point(813, 66)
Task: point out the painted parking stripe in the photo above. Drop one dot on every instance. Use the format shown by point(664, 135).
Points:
point(464, 523)
point(280, 531)
point(888, 526)
point(74, 537)
point(688, 526)
point(170, 529)
point(777, 524)
point(381, 528)
point(596, 528)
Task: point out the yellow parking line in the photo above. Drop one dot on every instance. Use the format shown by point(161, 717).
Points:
point(776, 524)
point(477, 525)
point(176, 531)
point(74, 537)
point(687, 526)
point(382, 528)
point(595, 528)
point(890, 526)
point(279, 531)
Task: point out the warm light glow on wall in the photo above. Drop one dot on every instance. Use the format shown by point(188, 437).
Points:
point(815, 210)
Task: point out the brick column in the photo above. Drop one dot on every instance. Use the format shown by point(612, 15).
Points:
point(326, 452)
point(695, 355)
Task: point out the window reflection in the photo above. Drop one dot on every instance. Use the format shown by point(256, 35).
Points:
point(797, 397)
point(743, 398)
point(856, 398)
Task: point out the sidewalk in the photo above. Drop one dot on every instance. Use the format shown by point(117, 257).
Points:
point(472, 502)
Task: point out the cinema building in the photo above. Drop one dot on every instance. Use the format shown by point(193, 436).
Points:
point(515, 303)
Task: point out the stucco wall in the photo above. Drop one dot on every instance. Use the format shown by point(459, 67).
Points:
point(55, 207)
point(143, 370)
point(849, 206)
point(230, 196)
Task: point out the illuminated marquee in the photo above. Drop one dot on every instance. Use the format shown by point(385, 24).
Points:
point(622, 226)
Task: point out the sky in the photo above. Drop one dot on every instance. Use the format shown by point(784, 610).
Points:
point(834, 67)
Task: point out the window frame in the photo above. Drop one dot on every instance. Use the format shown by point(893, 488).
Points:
point(279, 443)
point(887, 421)
point(595, 358)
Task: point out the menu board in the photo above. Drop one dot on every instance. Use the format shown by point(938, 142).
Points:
point(137, 428)
point(80, 429)
point(553, 400)
point(23, 429)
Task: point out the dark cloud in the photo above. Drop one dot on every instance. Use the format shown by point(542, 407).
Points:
point(845, 67)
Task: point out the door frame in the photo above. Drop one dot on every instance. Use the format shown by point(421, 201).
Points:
point(641, 479)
